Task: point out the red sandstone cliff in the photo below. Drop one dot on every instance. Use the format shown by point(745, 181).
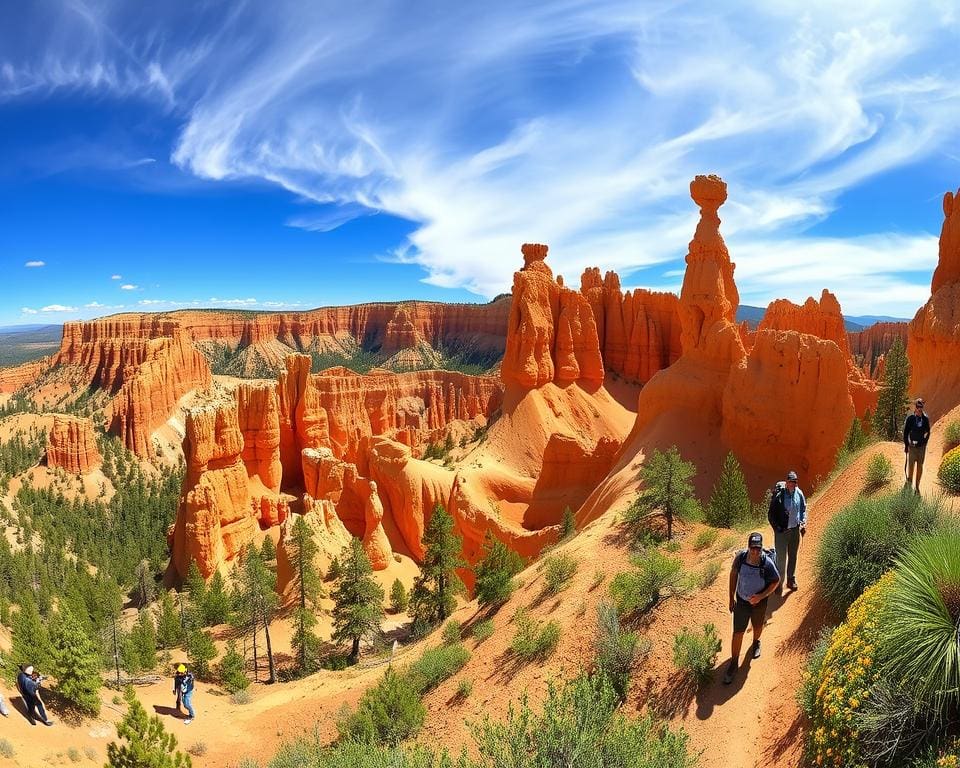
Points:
point(12, 379)
point(871, 344)
point(639, 332)
point(72, 445)
point(933, 343)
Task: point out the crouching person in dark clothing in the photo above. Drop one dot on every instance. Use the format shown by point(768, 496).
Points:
point(28, 683)
point(753, 578)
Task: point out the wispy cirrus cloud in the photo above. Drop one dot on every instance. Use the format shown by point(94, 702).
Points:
point(578, 124)
point(35, 264)
point(129, 287)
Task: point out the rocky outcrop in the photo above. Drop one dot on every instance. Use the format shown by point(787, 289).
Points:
point(146, 361)
point(824, 320)
point(933, 343)
point(72, 445)
point(19, 376)
point(338, 409)
point(215, 519)
point(258, 417)
point(870, 345)
point(639, 332)
point(329, 534)
point(354, 498)
point(551, 332)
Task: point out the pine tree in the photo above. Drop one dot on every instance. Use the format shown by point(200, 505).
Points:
point(256, 602)
point(667, 490)
point(195, 589)
point(891, 405)
point(143, 641)
point(302, 551)
point(169, 630)
point(856, 439)
point(358, 599)
point(144, 586)
point(31, 641)
point(495, 572)
point(148, 745)
point(232, 669)
point(76, 663)
point(268, 551)
point(730, 500)
point(216, 602)
point(398, 597)
point(433, 597)
point(568, 524)
point(201, 651)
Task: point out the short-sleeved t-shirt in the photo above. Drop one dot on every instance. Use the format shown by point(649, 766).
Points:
point(751, 580)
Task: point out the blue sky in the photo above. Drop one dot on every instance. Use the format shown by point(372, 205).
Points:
point(289, 155)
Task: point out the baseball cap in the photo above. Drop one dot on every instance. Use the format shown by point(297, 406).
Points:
point(755, 540)
point(181, 668)
point(919, 401)
point(791, 475)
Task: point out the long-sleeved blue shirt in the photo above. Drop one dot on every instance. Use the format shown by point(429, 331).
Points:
point(796, 505)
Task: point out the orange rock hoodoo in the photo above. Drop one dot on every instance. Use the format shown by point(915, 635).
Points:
point(784, 404)
point(871, 344)
point(551, 332)
point(72, 445)
point(933, 343)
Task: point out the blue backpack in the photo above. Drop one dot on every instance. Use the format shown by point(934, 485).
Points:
point(186, 685)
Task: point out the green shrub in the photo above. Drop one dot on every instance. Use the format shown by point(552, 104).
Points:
point(695, 653)
point(388, 713)
point(615, 649)
point(705, 539)
point(951, 436)
point(241, 697)
point(654, 577)
point(708, 574)
point(398, 597)
point(861, 541)
point(6, 749)
point(232, 669)
point(435, 666)
point(558, 570)
point(199, 749)
point(807, 692)
point(482, 630)
point(579, 725)
point(452, 632)
point(495, 572)
point(74, 754)
point(533, 639)
point(949, 472)
point(879, 471)
point(464, 689)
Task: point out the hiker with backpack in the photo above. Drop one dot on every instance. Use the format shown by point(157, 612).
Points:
point(178, 684)
point(916, 433)
point(753, 578)
point(186, 688)
point(788, 518)
point(28, 683)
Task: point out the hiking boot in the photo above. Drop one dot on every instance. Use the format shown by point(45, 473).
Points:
point(756, 649)
point(48, 722)
point(731, 671)
point(188, 721)
point(792, 584)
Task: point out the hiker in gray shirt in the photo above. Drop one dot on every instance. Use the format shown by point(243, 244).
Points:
point(753, 578)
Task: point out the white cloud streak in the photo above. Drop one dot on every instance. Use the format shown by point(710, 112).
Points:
point(129, 287)
point(577, 123)
point(35, 264)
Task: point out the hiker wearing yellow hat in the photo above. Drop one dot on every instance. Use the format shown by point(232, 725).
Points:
point(178, 684)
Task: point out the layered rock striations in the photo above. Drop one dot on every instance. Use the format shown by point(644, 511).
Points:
point(72, 445)
point(19, 376)
point(638, 332)
point(869, 346)
point(824, 320)
point(933, 340)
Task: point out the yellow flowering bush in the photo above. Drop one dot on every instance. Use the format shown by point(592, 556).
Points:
point(843, 681)
point(949, 473)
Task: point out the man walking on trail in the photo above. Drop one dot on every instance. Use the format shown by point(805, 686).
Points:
point(753, 577)
point(178, 683)
point(186, 687)
point(916, 432)
point(788, 518)
point(28, 683)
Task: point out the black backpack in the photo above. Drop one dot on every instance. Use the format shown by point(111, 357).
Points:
point(766, 556)
point(777, 512)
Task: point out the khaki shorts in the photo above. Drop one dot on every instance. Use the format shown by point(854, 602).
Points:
point(915, 455)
